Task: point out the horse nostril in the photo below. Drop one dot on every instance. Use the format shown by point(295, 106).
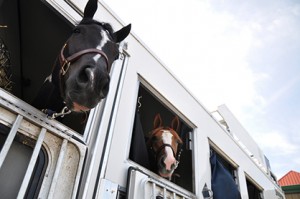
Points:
point(162, 162)
point(173, 166)
point(85, 75)
point(94, 80)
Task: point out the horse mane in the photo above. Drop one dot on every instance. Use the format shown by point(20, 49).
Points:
point(106, 26)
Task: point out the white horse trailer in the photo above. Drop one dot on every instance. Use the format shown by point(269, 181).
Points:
point(43, 158)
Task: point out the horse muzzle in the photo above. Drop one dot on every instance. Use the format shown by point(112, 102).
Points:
point(166, 166)
point(86, 88)
point(93, 80)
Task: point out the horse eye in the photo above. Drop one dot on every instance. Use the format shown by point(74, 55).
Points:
point(76, 30)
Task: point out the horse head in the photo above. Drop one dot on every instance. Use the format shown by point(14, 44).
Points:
point(86, 60)
point(165, 144)
point(81, 73)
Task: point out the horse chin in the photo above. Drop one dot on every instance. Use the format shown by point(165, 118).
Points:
point(79, 108)
point(165, 175)
point(78, 103)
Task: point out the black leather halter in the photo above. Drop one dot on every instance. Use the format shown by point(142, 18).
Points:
point(66, 62)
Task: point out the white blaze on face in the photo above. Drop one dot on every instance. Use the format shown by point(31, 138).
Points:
point(170, 159)
point(102, 43)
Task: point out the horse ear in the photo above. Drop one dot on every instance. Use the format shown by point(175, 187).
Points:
point(157, 121)
point(179, 140)
point(175, 123)
point(90, 9)
point(121, 34)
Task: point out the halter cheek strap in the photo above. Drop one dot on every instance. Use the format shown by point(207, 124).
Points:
point(66, 62)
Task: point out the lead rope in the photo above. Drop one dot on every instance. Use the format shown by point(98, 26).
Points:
point(54, 115)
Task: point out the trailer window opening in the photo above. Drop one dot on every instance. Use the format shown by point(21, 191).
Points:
point(16, 163)
point(148, 105)
point(227, 165)
point(253, 191)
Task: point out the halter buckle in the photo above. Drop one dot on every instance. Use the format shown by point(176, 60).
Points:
point(63, 69)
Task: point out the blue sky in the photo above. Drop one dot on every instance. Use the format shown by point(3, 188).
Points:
point(244, 54)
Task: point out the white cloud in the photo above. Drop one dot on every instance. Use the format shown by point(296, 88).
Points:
point(277, 143)
point(286, 87)
point(296, 10)
point(296, 160)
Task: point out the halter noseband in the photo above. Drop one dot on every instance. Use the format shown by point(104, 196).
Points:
point(164, 146)
point(66, 62)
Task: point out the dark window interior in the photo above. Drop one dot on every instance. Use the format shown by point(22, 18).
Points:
point(273, 177)
point(147, 107)
point(34, 36)
point(14, 167)
point(121, 194)
point(253, 191)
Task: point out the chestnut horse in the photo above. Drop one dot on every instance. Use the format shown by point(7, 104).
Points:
point(165, 144)
point(80, 77)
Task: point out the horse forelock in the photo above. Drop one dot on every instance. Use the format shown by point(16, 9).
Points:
point(175, 134)
point(172, 131)
point(105, 26)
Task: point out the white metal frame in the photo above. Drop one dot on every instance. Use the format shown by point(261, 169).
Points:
point(54, 137)
point(145, 186)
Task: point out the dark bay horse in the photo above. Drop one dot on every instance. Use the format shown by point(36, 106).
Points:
point(165, 144)
point(80, 76)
